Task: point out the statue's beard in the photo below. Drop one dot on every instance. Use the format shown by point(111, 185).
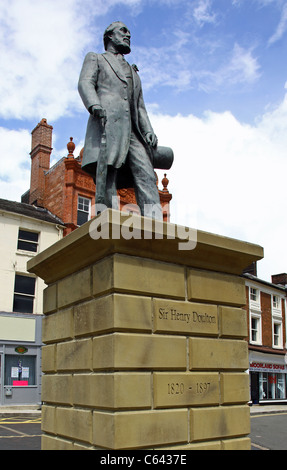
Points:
point(124, 49)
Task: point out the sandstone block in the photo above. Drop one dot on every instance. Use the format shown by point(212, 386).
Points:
point(74, 288)
point(57, 389)
point(215, 287)
point(113, 391)
point(113, 313)
point(219, 422)
point(74, 355)
point(234, 388)
point(74, 423)
point(218, 354)
point(58, 326)
point(120, 273)
point(50, 299)
point(176, 389)
point(133, 430)
point(233, 322)
point(136, 351)
point(243, 443)
point(185, 317)
point(49, 358)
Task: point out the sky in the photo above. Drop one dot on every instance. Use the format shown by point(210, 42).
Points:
point(214, 78)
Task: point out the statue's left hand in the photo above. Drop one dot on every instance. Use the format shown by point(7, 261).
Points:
point(151, 139)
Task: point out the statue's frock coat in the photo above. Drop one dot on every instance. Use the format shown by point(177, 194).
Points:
point(102, 82)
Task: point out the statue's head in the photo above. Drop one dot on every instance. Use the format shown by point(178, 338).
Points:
point(118, 35)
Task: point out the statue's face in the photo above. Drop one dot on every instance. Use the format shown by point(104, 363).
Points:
point(121, 39)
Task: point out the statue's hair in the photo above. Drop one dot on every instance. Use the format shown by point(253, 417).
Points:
point(108, 32)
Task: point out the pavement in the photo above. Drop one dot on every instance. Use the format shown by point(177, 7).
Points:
point(27, 410)
point(20, 411)
point(268, 409)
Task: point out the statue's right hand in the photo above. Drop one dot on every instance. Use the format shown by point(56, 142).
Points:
point(98, 112)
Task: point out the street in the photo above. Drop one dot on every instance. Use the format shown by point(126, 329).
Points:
point(20, 433)
point(268, 432)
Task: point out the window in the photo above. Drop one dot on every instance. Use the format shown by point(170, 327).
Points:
point(272, 386)
point(20, 369)
point(277, 306)
point(254, 294)
point(27, 241)
point(24, 291)
point(276, 302)
point(84, 209)
point(281, 386)
point(277, 334)
point(255, 329)
point(263, 386)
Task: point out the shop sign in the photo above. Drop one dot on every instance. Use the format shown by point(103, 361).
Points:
point(265, 367)
point(21, 350)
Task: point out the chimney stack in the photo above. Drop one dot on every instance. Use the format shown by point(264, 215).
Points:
point(40, 161)
point(279, 279)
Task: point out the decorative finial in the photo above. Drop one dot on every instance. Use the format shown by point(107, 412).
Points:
point(71, 147)
point(165, 182)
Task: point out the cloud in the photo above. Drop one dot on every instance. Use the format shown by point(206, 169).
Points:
point(182, 69)
point(14, 163)
point(42, 44)
point(202, 12)
point(40, 66)
point(229, 178)
point(281, 28)
point(172, 60)
point(241, 68)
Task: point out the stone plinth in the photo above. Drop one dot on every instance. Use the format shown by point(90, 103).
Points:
point(144, 342)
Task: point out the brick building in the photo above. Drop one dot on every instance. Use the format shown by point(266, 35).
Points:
point(267, 329)
point(65, 189)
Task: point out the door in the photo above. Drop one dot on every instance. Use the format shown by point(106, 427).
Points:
point(255, 387)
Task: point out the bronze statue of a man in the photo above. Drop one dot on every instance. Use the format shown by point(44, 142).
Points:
point(120, 148)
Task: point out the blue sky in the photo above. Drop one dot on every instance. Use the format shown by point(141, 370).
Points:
point(214, 76)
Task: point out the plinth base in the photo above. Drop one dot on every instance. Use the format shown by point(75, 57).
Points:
point(142, 351)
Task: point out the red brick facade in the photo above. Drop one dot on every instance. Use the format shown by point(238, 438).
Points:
point(57, 188)
point(267, 319)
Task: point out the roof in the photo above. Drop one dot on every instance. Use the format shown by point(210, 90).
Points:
point(29, 211)
point(266, 283)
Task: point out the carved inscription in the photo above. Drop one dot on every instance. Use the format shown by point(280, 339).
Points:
point(186, 317)
point(178, 388)
point(175, 388)
point(185, 389)
point(173, 314)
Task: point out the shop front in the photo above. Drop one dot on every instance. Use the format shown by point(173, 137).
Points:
point(268, 378)
point(20, 359)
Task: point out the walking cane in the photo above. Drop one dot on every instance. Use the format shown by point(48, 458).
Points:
point(102, 167)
